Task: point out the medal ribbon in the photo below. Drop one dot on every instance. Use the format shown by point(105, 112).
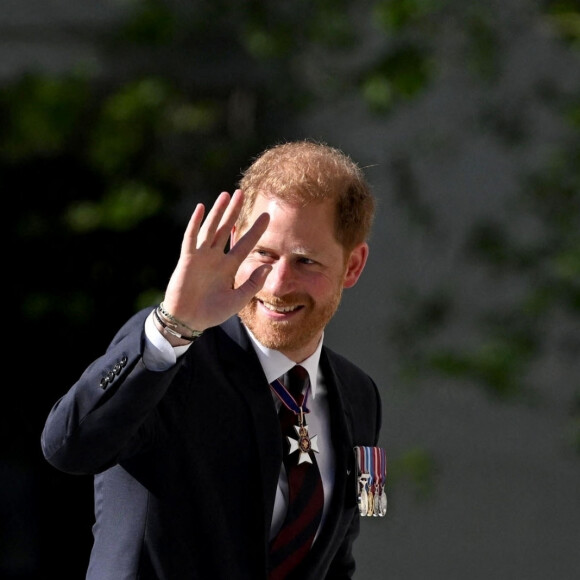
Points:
point(378, 472)
point(383, 467)
point(362, 457)
point(369, 464)
point(288, 399)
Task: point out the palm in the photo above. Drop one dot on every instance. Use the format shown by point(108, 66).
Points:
point(201, 290)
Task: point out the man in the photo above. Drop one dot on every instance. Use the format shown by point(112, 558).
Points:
point(178, 420)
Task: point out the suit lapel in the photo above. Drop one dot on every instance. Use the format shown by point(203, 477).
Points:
point(242, 366)
point(344, 492)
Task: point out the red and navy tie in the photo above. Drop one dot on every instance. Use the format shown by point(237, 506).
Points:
point(306, 496)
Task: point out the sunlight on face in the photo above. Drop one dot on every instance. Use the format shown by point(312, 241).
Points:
point(304, 288)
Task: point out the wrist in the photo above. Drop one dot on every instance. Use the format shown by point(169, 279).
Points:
point(172, 340)
point(177, 333)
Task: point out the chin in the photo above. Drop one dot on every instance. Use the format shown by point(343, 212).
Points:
point(288, 335)
point(275, 335)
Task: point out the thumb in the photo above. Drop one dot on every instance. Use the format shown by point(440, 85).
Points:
point(254, 283)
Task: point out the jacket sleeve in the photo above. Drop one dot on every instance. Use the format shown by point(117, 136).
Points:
point(106, 415)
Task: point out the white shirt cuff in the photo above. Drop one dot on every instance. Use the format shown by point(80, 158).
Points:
point(158, 354)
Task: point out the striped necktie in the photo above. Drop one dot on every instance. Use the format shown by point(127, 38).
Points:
point(306, 496)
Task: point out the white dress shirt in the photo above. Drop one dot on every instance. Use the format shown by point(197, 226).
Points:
point(160, 355)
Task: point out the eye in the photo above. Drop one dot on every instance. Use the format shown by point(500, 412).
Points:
point(263, 255)
point(306, 261)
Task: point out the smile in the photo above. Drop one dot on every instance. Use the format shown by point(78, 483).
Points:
point(281, 309)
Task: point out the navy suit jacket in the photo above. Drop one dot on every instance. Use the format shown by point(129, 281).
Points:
point(186, 461)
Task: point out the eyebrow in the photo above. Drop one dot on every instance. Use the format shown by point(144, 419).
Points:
point(297, 251)
point(303, 251)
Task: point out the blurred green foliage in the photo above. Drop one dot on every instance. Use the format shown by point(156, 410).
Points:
point(565, 16)
point(503, 350)
point(418, 468)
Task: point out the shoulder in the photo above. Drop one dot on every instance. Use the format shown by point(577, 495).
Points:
point(355, 384)
point(345, 368)
point(358, 392)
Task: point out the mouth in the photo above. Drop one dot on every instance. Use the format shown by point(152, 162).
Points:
point(280, 311)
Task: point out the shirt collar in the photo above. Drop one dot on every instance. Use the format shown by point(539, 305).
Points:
point(275, 364)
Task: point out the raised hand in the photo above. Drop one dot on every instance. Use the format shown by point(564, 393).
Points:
point(201, 289)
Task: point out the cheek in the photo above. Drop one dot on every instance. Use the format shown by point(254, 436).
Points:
point(328, 283)
point(320, 289)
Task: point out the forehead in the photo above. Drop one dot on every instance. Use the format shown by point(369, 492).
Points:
point(310, 225)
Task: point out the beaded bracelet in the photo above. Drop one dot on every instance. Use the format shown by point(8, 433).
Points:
point(194, 336)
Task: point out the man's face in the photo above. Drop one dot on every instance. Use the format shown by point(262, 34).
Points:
point(309, 271)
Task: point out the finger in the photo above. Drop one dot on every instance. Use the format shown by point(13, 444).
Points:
point(250, 238)
point(210, 225)
point(253, 284)
point(229, 218)
point(189, 242)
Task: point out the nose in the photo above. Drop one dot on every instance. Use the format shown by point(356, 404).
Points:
point(281, 279)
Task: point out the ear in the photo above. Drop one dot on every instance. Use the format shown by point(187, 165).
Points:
point(355, 265)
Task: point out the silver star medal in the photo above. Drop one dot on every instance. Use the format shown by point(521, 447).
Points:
point(304, 443)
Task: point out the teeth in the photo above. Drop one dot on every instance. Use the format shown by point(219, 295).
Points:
point(279, 308)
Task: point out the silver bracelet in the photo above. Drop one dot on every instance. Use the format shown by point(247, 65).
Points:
point(195, 334)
